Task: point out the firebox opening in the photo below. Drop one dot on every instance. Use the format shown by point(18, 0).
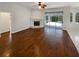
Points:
point(36, 23)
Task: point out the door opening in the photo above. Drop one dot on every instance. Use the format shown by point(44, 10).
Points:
point(54, 20)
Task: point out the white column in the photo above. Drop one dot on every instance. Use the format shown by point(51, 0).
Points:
point(73, 19)
point(66, 18)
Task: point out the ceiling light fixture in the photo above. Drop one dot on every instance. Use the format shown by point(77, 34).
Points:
point(41, 5)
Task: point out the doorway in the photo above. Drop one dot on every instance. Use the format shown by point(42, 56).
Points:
point(54, 19)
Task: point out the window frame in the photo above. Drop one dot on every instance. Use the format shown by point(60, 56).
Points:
point(77, 17)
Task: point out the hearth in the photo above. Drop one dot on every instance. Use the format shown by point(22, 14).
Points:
point(36, 23)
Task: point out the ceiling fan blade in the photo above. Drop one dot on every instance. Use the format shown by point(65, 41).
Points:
point(39, 3)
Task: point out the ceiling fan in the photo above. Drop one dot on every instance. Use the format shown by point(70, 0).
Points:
point(42, 5)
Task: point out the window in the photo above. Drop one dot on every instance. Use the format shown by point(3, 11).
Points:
point(54, 18)
point(60, 18)
point(77, 17)
point(46, 19)
point(57, 18)
point(70, 17)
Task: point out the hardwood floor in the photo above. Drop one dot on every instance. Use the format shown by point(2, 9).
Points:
point(4, 43)
point(42, 42)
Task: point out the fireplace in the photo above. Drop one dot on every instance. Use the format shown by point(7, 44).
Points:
point(36, 23)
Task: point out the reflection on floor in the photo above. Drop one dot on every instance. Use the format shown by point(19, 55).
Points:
point(39, 42)
point(54, 24)
point(4, 44)
point(43, 42)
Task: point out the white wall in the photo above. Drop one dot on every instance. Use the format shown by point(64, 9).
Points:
point(74, 28)
point(71, 26)
point(20, 16)
point(4, 22)
point(4, 17)
point(66, 18)
point(74, 24)
point(37, 14)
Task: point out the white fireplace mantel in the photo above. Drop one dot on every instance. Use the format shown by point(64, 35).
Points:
point(41, 23)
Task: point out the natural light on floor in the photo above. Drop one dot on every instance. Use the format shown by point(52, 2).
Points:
point(54, 24)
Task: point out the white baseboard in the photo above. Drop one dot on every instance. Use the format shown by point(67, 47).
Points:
point(19, 30)
point(74, 39)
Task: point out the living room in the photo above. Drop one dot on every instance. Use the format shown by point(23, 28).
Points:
point(26, 32)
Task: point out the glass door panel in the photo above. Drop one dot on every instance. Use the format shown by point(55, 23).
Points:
point(54, 20)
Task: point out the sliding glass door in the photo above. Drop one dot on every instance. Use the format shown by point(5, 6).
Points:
point(54, 20)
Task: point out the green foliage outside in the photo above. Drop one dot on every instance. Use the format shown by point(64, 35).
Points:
point(77, 18)
point(56, 18)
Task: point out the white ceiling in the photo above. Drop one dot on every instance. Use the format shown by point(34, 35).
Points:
point(50, 4)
